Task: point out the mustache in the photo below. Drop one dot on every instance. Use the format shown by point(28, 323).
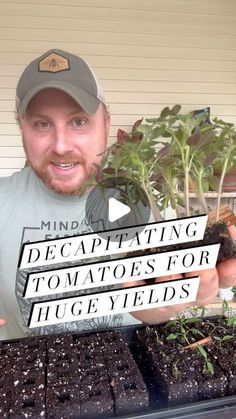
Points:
point(65, 158)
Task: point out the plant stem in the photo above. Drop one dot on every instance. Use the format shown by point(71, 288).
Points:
point(220, 188)
point(153, 205)
point(186, 190)
point(173, 200)
point(185, 160)
point(201, 193)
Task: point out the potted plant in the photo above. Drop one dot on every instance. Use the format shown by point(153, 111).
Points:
point(172, 153)
point(197, 148)
point(188, 358)
point(225, 167)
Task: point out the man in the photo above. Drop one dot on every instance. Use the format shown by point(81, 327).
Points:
point(64, 122)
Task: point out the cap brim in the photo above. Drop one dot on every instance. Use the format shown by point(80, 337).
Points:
point(88, 102)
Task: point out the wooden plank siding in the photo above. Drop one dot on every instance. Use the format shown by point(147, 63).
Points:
point(146, 54)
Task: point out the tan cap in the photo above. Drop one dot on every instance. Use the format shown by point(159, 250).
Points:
point(64, 71)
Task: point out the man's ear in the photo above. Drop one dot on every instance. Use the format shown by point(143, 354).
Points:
point(18, 119)
point(107, 124)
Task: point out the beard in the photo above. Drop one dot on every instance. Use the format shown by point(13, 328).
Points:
point(62, 183)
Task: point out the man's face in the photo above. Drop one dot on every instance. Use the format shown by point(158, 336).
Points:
point(61, 141)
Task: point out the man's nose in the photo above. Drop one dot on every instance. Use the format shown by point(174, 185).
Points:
point(62, 141)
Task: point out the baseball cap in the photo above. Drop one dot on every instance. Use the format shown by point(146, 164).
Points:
point(62, 70)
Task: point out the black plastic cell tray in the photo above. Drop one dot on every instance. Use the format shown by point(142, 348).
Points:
point(223, 408)
point(218, 408)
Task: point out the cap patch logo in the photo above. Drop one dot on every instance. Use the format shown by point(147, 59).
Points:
point(54, 63)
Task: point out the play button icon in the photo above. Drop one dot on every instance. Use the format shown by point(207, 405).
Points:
point(116, 210)
point(117, 203)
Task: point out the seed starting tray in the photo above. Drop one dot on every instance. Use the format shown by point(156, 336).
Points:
point(217, 408)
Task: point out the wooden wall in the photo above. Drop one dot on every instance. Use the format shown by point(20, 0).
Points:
point(146, 54)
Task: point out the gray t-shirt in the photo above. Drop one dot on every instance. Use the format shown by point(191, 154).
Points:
point(29, 212)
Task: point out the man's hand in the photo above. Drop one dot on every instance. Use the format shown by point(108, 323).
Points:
point(222, 276)
point(2, 322)
point(227, 270)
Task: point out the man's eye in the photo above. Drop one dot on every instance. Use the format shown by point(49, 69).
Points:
point(78, 122)
point(42, 124)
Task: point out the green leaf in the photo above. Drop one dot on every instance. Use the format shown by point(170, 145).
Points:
point(180, 135)
point(171, 323)
point(144, 129)
point(231, 320)
point(227, 337)
point(165, 112)
point(172, 336)
point(192, 320)
point(197, 332)
point(175, 110)
point(225, 305)
point(167, 134)
point(157, 132)
point(205, 185)
point(202, 351)
point(210, 367)
point(152, 120)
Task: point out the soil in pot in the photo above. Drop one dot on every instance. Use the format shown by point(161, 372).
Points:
point(90, 377)
point(224, 355)
point(216, 232)
point(183, 375)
